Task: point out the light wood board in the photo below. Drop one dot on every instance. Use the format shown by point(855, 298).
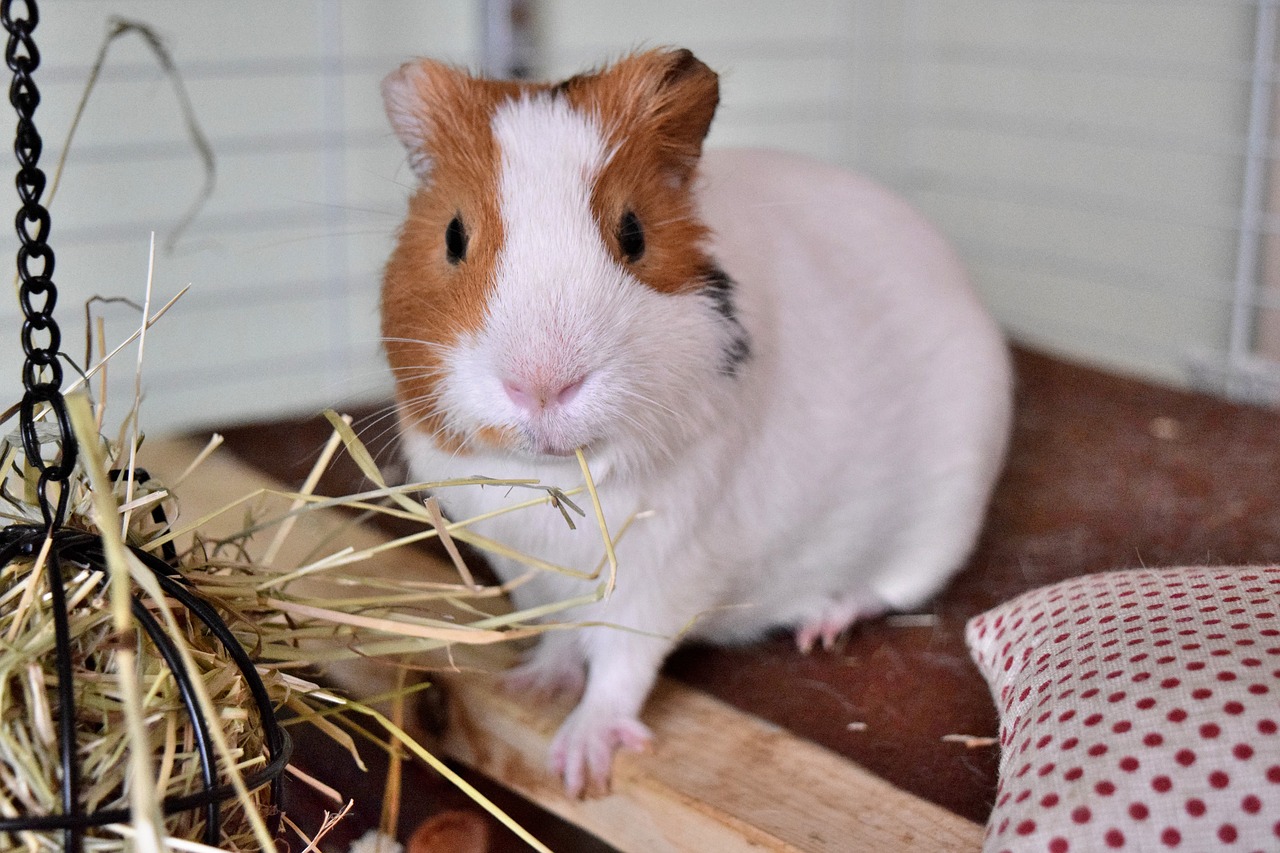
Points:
point(718, 779)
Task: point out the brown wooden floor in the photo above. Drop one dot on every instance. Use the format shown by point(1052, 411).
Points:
point(1104, 473)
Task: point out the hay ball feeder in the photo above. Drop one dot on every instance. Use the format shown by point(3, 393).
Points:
point(123, 693)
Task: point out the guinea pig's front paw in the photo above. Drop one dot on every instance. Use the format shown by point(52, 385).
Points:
point(582, 751)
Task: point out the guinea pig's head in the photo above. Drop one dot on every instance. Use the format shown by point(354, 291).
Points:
point(551, 288)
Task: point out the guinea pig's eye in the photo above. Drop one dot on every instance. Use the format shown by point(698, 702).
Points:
point(455, 241)
point(631, 237)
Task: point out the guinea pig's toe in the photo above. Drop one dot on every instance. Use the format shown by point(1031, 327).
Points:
point(582, 751)
point(827, 628)
point(633, 736)
point(807, 637)
point(834, 617)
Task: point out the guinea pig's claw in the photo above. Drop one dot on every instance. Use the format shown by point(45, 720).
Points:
point(582, 751)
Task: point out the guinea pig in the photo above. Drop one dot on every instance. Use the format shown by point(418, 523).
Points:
point(777, 364)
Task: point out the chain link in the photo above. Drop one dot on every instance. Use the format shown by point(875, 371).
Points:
point(41, 338)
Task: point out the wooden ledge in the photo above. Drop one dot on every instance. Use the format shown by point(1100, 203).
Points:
point(718, 779)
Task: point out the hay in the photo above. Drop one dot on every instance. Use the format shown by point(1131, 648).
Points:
point(134, 742)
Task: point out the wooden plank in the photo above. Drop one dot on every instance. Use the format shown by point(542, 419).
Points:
point(718, 779)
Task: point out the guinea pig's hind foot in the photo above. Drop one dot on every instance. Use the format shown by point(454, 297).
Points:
point(834, 616)
point(582, 750)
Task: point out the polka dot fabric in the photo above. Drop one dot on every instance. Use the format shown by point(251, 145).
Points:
point(1140, 711)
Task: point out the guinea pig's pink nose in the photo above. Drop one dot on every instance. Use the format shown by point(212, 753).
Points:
point(535, 397)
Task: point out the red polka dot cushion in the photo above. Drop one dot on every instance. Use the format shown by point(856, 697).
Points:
point(1138, 711)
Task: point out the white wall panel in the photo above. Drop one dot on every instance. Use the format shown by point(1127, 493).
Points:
point(1086, 157)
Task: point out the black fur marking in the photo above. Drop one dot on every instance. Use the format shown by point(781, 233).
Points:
point(562, 88)
point(682, 64)
point(719, 288)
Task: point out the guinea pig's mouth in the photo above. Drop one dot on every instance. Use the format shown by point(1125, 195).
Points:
point(552, 439)
point(549, 450)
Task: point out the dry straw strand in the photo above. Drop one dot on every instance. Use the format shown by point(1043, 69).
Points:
point(604, 528)
point(123, 567)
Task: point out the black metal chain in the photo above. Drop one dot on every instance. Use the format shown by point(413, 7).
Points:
point(41, 339)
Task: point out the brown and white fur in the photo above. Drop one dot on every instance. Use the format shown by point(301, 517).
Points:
point(780, 360)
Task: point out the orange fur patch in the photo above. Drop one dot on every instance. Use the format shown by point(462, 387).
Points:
point(655, 109)
point(425, 298)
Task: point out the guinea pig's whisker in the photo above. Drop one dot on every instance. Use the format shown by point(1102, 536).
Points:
point(376, 416)
point(409, 425)
point(418, 411)
point(643, 428)
point(671, 221)
point(468, 442)
point(418, 371)
point(329, 206)
point(394, 339)
point(438, 349)
point(366, 373)
point(378, 420)
point(647, 401)
point(415, 366)
point(320, 235)
point(414, 408)
point(428, 376)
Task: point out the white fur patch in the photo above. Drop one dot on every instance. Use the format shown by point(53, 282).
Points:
point(552, 253)
point(553, 274)
point(374, 841)
point(551, 155)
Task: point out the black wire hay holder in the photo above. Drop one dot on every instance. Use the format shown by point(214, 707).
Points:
point(42, 381)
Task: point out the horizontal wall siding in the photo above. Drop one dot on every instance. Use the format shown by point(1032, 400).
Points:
point(284, 258)
point(1085, 156)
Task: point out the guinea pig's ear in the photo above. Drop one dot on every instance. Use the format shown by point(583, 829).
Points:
point(412, 95)
point(685, 103)
point(671, 96)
